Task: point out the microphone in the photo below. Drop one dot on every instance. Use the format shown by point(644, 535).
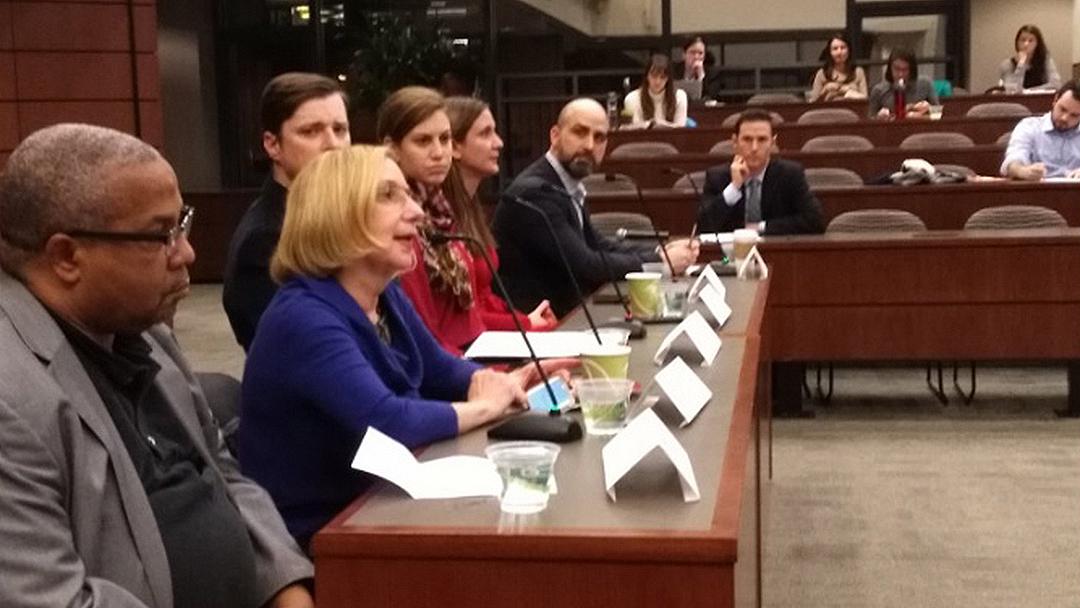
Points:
point(637, 329)
point(525, 427)
point(655, 232)
point(630, 233)
point(693, 184)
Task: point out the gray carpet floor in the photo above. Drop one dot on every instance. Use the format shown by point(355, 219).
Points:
point(887, 498)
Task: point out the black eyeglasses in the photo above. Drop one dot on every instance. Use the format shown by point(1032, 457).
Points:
point(168, 238)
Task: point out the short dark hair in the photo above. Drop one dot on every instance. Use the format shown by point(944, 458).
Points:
point(289, 91)
point(1072, 86)
point(754, 115)
point(907, 57)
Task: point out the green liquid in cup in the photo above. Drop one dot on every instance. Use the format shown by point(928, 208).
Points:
point(604, 418)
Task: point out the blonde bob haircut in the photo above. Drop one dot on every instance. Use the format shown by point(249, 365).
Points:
point(328, 214)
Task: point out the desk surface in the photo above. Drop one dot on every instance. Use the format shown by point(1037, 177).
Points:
point(385, 549)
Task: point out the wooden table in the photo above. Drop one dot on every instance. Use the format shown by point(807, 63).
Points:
point(943, 296)
point(792, 136)
point(653, 172)
point(941, 207)
point(648, 549)
point(953, 106)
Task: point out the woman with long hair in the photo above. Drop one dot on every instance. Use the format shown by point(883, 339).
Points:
point(838, 77)
point(902, 74)
point(657, 102)
point(1031, 67)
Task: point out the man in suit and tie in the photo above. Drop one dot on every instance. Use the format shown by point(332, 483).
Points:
point(530, 262)
point(115, 486)
point(756, 191)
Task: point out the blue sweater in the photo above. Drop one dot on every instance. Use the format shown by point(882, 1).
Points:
point(317, 375)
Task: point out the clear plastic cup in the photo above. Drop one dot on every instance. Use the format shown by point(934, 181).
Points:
point(526, 468)
point(605, 360)
point(611, 335)
point(604, 404)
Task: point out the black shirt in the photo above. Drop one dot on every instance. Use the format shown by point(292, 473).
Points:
point(211, 558)
point(248, 288)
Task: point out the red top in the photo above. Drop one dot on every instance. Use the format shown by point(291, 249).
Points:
point(455, 327)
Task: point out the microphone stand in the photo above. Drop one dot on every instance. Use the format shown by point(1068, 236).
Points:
point(552, 427)
point(656, 233)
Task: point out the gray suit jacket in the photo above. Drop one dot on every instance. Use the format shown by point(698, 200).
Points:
point(76, 525)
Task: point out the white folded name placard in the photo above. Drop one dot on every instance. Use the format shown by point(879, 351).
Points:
point(685, 390)
point(634, 442)
point(697, 329)
point(716, 305)
point(753, 267)
point(450, 477)
point(707, 277)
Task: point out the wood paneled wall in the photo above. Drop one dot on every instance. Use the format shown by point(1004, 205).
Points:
point(72, 62)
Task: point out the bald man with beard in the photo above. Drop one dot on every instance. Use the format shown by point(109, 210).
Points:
point(530, 263)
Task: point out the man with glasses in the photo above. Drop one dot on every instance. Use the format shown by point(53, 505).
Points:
point(115, 488)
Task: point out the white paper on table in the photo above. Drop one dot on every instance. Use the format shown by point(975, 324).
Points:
point(1061, 180)
point(716, 305)
point(708, 276)
point(685, 390)
point(547, 344)
point(641, 436)
point(450, 477)
point(720, 238)
point(701, 335)
point(753, 259)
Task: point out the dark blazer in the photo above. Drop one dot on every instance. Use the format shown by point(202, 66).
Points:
point(787, 205)
point(248, 288)
point(530, 264)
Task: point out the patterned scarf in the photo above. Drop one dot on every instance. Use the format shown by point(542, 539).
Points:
point(447, 265)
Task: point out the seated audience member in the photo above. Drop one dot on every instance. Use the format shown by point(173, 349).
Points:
point(838, 77)
point(340, 348)
point(756, 191)
point(1047, 145)
point(1031, 67)
point(657, 102)
point(115, 487)
point(444, 287)
point(902, 74)
point(697, 66)
point(476, 147)
point(302, 115)
point(531, 266)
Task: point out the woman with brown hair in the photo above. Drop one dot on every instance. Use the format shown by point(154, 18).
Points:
point(414, 124)
point(839, 77)
point(657, 102)
point(1031, 67)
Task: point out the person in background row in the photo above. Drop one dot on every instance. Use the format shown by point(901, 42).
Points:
point(1048, 145)
point(697, 66)
point(531, 266)
point(902, 74)
point(476, 148)
point(838, 77)
point(756, 191)
point(340, 348)
point(1031, 67)
point(657, 102)
point(116, 489)
point(302, 115)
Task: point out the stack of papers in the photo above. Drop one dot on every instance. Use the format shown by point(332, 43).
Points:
point(547, 345)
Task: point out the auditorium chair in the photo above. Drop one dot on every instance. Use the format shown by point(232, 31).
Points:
point(998, 108)
point(729, 122)
point(1003, 139)
point(643, 149)
point(764, 99)
point(837, 143)
point(683, 183)
point(726, 147)
point(598, 183)
point(832, 177)
point(608, 224)
point(878, 221)
point(939, 139)
point(827, 116)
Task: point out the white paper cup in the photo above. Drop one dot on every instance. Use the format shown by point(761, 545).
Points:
point(744, 240)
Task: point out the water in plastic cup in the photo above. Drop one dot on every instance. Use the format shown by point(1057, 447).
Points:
point(935, 112)
point(744, 239)
point(526, 468)
point(645, 300)
point(674, 298)
point(604, 402)
point(611, 335)
point(605, 360)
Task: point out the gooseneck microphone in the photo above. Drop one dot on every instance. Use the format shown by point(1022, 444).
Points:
point(655, 232)
point(637, 328)
point(693, 184)
point(565, 263)
point(522, 427)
